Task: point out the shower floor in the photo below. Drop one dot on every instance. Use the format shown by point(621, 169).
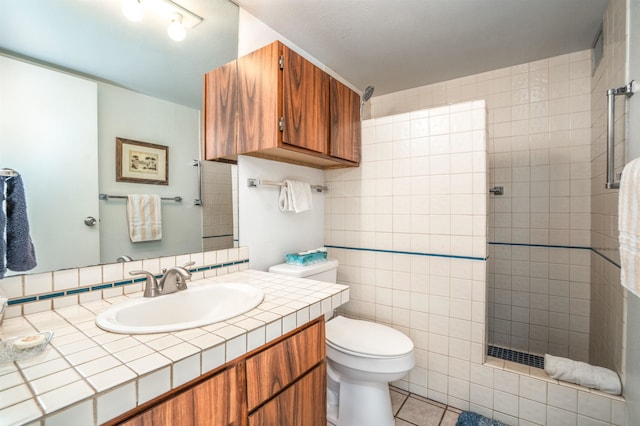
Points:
point(516, 356)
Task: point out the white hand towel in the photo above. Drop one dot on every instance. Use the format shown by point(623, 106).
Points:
point(584, 374)
point(295, 196)
point(144, 216)
point(629, 227)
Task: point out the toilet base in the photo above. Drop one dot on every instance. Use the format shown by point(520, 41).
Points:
point(364, 404)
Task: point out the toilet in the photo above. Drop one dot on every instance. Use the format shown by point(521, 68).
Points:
point(362, 358)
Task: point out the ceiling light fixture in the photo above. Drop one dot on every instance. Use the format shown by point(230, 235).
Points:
point(176, 30)
point(133, 10)
point(179, 17)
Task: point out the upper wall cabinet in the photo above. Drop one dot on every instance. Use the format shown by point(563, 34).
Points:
point(273, 103)
point(220, 111)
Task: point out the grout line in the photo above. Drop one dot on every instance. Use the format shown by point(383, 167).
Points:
point(406, 398)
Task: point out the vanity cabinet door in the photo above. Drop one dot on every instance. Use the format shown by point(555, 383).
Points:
point(218, 401)
point(283, 363)
point(301, 404)
point(175, 411)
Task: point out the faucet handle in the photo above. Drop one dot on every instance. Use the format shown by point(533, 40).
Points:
point(188, 265)
point(151, 289)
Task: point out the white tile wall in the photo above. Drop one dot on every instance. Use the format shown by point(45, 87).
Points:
point(539, 135)
point(425, 270)
point(608, 309)
point(217, 205)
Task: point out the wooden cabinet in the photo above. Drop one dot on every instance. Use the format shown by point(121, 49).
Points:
point(212, 402)
point(345, 122)
point(288, 109)
point(305, 103)
point(282, 383)
point(299, 405)
point(282, 364)
point(220, 109)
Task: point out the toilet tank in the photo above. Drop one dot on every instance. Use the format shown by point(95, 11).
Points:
point(323, 271)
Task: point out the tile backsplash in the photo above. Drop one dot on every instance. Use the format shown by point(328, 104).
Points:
point(31, 293)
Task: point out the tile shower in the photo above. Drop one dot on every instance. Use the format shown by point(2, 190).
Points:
point(544, 146)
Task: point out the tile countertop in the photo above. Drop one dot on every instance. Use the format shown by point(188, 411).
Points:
point(88, 376)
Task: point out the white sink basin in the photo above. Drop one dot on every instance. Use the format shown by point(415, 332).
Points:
point(195, 307)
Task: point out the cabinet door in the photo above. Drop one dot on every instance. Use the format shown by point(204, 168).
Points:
point(219, 401)
point(302, 404)
point(345, 122)
point(283, 363)
point(220, 107)
point(305, 103)
point(259, 99)
point(175, 411)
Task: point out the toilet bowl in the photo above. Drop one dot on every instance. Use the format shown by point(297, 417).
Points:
point(362, 358)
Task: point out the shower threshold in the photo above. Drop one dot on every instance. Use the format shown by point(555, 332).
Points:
point(516, 356)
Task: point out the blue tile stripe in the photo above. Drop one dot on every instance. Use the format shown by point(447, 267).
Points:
point(104, 286)
point(51, 295)
point(414, 253)
point(614, 263)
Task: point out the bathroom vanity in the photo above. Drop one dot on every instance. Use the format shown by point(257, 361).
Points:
point(281, 383)
point(265, 367)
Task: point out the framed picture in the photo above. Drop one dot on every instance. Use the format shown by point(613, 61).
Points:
point(141, 162)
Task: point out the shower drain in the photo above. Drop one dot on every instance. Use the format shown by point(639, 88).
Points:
point(516, 356)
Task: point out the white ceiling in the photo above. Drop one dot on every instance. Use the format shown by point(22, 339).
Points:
point(390, 44)
point(400, 44)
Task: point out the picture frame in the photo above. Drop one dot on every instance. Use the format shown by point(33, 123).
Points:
point(141, 162)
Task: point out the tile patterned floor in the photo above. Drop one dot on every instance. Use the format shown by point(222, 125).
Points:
point(414, 410)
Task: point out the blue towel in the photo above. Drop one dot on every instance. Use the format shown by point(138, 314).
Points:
point(17, 251)
point(3, 225)
point(469, 418)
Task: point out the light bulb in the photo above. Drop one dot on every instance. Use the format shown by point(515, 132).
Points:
point(133, 10)
point(176, 30)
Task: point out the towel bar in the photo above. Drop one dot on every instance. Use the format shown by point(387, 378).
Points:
point(106, 197)
point(611, 109)
point(198, 201)
point(253, 183)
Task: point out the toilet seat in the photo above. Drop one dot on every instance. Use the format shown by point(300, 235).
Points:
point(366, 339)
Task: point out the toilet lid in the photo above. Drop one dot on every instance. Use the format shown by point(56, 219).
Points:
point(367, 338)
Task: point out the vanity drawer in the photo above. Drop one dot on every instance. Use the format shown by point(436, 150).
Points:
point(302, 404)
point(283, 363)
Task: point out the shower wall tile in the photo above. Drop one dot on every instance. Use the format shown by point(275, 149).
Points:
point(609, 299)
point(545, 123)
point(539, 133)
point(419, 212)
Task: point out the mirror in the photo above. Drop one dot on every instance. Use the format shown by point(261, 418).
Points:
point(74, 76)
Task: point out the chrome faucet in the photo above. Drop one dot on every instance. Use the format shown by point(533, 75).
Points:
point(174, 279)
point(151, 288)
